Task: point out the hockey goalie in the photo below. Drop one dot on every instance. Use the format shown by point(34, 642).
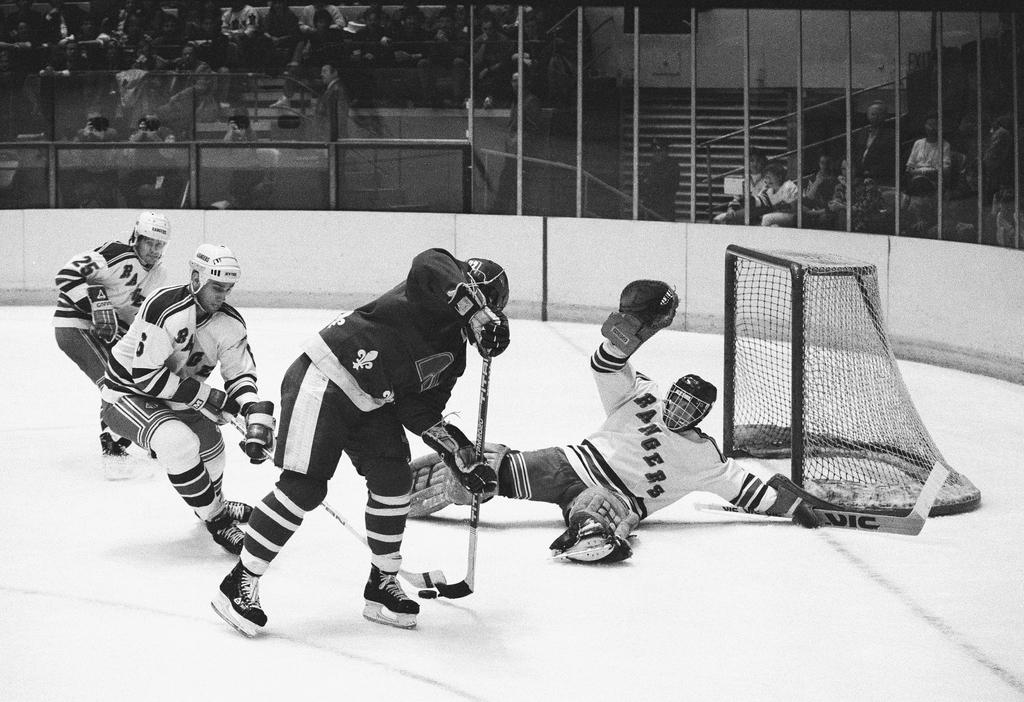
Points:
point(648, 453)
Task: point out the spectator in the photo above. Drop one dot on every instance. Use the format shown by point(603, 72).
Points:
point(197, 101)
point(779, 198)
point(874, 148)
point(251, 172)
point(998, 158)
point(756, 183)
point(307, 17)
point(280, 27)
point(33, 22)
point(151, 178)
point(331, 113)
point(817, 193)
point(927, 158)
point(96, 185)
point(493, 60)
point(240, 24)
point(170, 40)
point(659, 181)
point(60, 23)
point(447, 65)
point(212, 47)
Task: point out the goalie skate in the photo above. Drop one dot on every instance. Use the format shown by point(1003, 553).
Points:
point(589, 542)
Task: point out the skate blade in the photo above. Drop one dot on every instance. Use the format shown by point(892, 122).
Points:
point(222, 606)
point(376, 612)
point(586, 554)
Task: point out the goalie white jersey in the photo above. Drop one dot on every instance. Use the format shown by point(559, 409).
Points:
point(635, 455)
point(169, 342)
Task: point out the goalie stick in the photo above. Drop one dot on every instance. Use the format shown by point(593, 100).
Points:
point(465, 587)
point(432, 578)
point(831, 515)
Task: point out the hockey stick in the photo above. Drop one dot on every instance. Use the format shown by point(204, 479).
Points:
point(465, 587)
point(431, 578)
point(830, 515)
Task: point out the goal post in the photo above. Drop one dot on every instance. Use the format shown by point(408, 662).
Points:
point(809, 375)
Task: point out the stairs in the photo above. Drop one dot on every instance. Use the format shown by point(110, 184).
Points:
point(665, 113)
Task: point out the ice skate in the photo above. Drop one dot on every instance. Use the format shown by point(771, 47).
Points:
point(239, 511)
point(387, 603)
point(238, 601)
point(587, 541)
point(225, 531)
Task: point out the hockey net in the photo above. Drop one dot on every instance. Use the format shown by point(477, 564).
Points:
point(810, 375)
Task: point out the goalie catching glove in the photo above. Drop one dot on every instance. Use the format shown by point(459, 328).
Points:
point(475, 474)
point(259, 431)
point(645, 307)
point(104, 319)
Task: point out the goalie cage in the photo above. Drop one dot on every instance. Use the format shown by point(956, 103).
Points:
point(810, 375)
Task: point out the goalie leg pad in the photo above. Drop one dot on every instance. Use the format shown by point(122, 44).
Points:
point(434, 487)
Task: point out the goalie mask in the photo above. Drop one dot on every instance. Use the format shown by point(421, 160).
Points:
point(492, 281)
point(689, 400)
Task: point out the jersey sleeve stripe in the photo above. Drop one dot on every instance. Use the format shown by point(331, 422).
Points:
point(605, 362)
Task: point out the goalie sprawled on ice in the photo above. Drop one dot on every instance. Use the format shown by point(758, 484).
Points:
point(647, 454)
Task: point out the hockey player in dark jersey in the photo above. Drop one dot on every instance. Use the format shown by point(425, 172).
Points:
point(388, 366)
point(157, 392)
point(648, 453)
point(99, 293)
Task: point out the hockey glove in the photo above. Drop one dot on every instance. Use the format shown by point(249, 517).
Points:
point(259, 431)
point(203, 399)
point(475, 474)
point(104, 319)
point(645, 307)
point(489, 331)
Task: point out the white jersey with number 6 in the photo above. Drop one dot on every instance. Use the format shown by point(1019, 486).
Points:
point(172, 339)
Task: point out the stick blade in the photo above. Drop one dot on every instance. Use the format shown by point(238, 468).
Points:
point(454, 591)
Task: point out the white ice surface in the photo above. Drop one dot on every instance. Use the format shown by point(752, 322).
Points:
point(105, 586)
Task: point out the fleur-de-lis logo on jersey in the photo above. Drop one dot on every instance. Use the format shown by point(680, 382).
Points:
point(364, 359)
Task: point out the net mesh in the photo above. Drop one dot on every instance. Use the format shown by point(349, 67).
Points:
point(864, 445)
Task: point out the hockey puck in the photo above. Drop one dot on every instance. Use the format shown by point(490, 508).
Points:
point(428, 594)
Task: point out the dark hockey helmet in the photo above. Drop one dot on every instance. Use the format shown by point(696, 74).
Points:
point(492, 281)
point(689, 400)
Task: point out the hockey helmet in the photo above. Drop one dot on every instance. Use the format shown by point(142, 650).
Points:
point(152, 225)
point(492, 281)
point(688, 402)
point(214, 262)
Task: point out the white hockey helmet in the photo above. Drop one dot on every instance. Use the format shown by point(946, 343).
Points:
point(214, 262)
point(152, 225)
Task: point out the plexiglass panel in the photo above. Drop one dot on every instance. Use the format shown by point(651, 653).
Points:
point(253, 177)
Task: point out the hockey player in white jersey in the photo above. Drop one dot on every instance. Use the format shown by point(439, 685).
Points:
point(648, 453)
point(156, 391)
point(99, 293)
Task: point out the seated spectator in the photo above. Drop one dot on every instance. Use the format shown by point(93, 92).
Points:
point(170, 40)
point(280, 27)
point(998, 158)
point(818, 192)
point(198, 100)
point(240, 24)
point(33, 22)
point(926, 159)
point(756, 183)
point(326, 44)
point(212, 47)
point(307, 17)
point(779, 198)
point(24, 50)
